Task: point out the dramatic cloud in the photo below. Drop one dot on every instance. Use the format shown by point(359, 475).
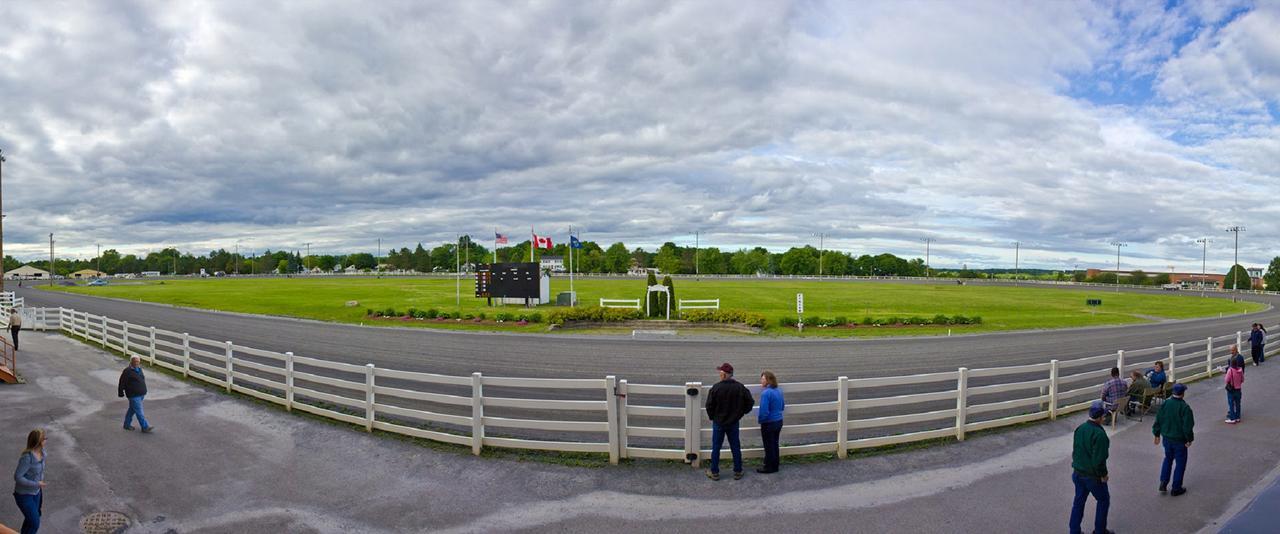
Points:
point(1063, 126)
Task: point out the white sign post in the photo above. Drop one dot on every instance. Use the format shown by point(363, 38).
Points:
point(800, 311)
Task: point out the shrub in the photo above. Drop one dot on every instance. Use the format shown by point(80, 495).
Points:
point(841, 320)
point(468, 317)
point(591, 314)
point(959, 319)
point(503, 316)
point(413, 312)
point(481, 316)
point(389, 312)
point(941, 319)
point(368, 312)
point(535, 317)
point(432, 313)
point(892, 320)
point(976, 319)
point(787, 321)
point(868, 321)
point(728, 317)
point(814, 321)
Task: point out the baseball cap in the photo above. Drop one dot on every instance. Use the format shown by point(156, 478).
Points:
point(1179, 389)
point(725, 367)
point(1097, 409)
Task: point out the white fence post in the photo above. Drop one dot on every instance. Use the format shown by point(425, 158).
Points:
point(1173, 376)
point(368, 398)
point(962, 401)
point(104, 331)
point(1208, 356)
point(151, 350)
point(230, 379)
point(186, 355)
point(1053, 389)
point(477, 413)
point(842, 418)
point(693, 424)
point(124, 337)
point(1120, 362)
point(288, 381)
point(1237, 341)
point(611, 407)
point(621, 400)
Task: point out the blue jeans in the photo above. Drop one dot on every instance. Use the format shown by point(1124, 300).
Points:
point(1084, 487)
point(718, 433)
point(30, 505)
point(135, 408)
point(1233, 404)
point(1173, 451)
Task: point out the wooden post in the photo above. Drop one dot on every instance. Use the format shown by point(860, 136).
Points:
point(1173, 376)
point(368, 398)
point(1208, 357)
point(1120, 362)
point(152, 346)
point(186, 355)
point(124, 338)
point(477, 413)
point(611, 406)
point(621, 400)
point(842, 418)
point(1053, 389)
point(288, 381)
point(693, 424)
point(962, 401)
point(230, 379)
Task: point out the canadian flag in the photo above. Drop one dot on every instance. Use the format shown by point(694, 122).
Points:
point(541, 242)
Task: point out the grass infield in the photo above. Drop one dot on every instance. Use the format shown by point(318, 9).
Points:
point(1001, 307)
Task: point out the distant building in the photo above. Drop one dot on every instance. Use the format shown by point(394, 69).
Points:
point(554, 264)
point(89, 273)
point(1195, 280)
point(27, 272)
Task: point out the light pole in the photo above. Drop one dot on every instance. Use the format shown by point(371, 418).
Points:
point(927, 241)
point(99, 267)
point(1204, 255)
point(307, 260)
point(1017, 250)
point(2, 160)
point(1118, 244)
point(236, 268)
point(697, 269)
point(821, 248)
point(1235, 276)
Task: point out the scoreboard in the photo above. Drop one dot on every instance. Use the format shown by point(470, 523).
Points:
point(516, 280)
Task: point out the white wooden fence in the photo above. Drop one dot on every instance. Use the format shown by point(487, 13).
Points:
point(611, 416)
point(698, 304)
point(620, 303)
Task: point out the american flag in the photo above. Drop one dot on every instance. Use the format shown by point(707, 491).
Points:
point(499, 239)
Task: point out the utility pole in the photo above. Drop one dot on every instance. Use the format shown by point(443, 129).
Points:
point(237, 265)
point(697, 270)
point(1118, 244)
point(927, 241)
point(51, 260)
point(175, 261)
point(99, 268)
point(307, 260)
point(821, 247)
point(1235, 276)
point(457, 260)
point(1204, 255)
point(2, 160)
point(1017, 249)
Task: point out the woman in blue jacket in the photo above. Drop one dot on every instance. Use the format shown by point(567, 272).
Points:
point(770, 418)
point(28, 482)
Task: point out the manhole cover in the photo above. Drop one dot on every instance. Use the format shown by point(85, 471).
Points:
point(103, 523)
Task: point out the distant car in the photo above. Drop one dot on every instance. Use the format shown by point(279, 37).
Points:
point(1171, 287)
point(98, 282)
point(220, 273)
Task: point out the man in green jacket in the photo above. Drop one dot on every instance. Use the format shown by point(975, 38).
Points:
point(1175, 423)
point(1089, 470)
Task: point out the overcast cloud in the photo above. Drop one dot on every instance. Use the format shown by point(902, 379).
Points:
point(1062, 125)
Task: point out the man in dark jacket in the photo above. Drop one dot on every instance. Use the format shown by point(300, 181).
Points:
point(1257, 339)
point(133, 385)
point(727, 403)
point(1089, 470)
point(1175, 423)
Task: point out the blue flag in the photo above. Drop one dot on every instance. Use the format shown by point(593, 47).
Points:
point(573, 242)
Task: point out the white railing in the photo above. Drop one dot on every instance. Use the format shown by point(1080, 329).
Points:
point(620, 303)
point(698, 304)
point(611, 416)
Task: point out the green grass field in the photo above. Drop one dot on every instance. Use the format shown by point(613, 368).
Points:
point(1001, 308)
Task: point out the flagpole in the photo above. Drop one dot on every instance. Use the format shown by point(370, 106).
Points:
point(495, 244)
point(573, 295)
point(457, 259)
point(532, 242)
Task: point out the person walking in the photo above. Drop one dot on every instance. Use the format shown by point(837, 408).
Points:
point(133, 385)
point(1176, 424)
point(1234, 380)
point(770, 418)
point(1257, 339)
point(1089, 451)
point(15, 324)
point(727, 402)
point(28, 482)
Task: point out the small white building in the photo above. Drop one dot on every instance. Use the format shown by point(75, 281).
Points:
point(27, 272)
point(554, 264)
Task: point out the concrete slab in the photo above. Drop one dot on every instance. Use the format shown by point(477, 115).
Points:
point(223, 464)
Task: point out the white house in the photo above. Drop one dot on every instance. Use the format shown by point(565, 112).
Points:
point(554, 264)
point(27, 272)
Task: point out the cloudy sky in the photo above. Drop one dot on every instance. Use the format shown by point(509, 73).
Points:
point(1061, 125)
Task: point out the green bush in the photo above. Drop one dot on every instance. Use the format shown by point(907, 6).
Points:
point(432, 313)
point(787, 321)
point(468, 317)
point(728, 317)
point(892, 321)
point(390, 312)
point(368, 312)
point(841, 320)
point(959, 319)
point(976, 319)
point(535, 317)
point(482, 316)
point(413, 312)
point(941, 319)
point(868, 321)
point(813, 321)
point(591, 314)
point(503, 316)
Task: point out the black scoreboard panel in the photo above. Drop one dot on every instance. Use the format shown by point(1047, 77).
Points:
point(516, 280)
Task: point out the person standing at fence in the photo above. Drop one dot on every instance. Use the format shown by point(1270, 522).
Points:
point(1234, 380)
point(1257, 339)
point(15, 324)
point(770, 418)
point(133, 385)
point(28, 482)
point(1089, 451)
point(727, 402)
point(1176, 424)
point(1235, 356)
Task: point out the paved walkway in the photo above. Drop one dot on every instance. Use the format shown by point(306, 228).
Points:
point(223, 464)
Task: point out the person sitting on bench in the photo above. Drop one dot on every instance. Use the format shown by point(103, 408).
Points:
point(1139, 391)
point(1156, 376)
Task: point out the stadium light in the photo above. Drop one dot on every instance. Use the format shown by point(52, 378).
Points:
point(927, 241)
point(1235, 277)
point(1118, 244)
point(1204, 255)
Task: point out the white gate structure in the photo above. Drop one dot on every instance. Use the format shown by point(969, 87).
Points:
point(610, 416)
point(620, 303)
point(698, 304)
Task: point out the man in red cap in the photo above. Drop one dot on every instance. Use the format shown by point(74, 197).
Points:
point(727, 403)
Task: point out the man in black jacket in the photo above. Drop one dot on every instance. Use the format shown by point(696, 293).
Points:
point(133, 385)
point(727, 403)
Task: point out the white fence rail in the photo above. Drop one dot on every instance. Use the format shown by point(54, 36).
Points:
point(611, 416)
point(698, 304)
point(620, 303)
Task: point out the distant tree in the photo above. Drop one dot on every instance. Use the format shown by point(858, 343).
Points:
point(1272, 278)
point(652, 298)
point(799, 261)
point(1138, 278)
point(711, 261)
point(282, 266)
point(668, 258)
point(1079, 276)
point(616, 259)
point(1105, 278)
point(421, 259)
point(1237, 278)
point(1160, 279)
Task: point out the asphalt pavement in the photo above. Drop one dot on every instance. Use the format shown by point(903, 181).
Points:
point(220, 464)
point(657, 361)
